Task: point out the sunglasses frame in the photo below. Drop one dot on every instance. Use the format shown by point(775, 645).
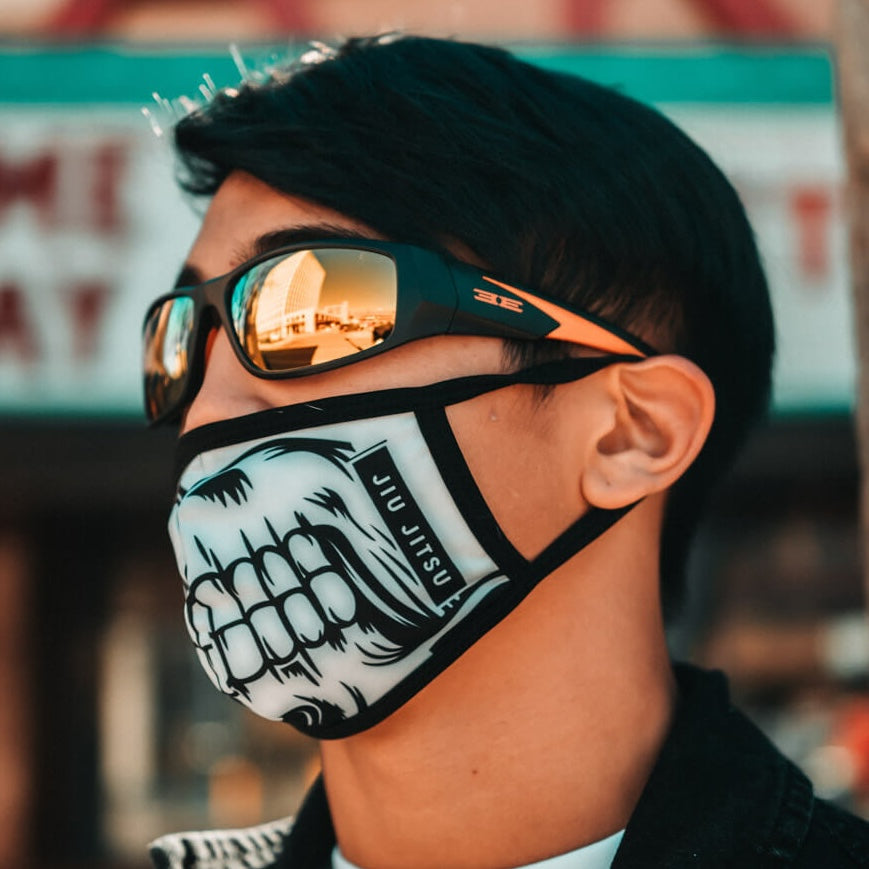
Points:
point(435, 295)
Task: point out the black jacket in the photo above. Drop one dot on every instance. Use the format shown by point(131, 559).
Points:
point(720, 795)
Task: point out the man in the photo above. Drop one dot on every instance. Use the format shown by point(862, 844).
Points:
point(457, 353)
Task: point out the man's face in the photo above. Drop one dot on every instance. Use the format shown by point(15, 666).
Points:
point(313, 545)
point(514, 444)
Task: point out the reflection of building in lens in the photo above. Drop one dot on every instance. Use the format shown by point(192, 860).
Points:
point(287, 302)
point(178, 331)
point(339, 313)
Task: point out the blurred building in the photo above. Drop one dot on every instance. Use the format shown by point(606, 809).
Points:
point(110, 733)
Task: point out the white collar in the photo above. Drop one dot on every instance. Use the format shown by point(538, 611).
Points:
point(597, 855)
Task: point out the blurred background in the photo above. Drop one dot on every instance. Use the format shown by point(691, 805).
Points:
point(109, 732)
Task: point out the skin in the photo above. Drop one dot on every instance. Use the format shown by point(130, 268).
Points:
point(540, 738)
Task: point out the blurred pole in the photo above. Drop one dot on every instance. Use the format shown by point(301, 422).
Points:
point(852, 48)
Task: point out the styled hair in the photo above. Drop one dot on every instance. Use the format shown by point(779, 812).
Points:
point(546, 178)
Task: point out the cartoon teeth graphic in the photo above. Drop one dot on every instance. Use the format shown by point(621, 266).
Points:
point(313, 581)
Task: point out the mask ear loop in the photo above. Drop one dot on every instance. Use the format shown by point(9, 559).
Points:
point(583, 531)
point(438, 433)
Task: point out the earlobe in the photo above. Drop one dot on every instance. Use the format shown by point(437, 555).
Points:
point(659, 412)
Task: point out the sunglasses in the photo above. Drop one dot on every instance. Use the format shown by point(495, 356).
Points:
point(314, 307)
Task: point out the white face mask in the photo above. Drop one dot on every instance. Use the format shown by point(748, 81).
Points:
point(336, 557)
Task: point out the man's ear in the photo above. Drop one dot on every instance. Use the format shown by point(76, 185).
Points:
point(659, 412)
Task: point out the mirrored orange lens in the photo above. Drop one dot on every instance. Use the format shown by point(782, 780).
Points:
point(314, 306)
point(166, 342)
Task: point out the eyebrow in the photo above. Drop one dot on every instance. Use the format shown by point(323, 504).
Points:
point(298, 235)
point(269, 241)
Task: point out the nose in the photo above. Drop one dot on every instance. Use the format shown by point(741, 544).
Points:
point(228, 390)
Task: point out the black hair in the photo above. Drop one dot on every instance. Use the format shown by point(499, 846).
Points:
point(547, 178)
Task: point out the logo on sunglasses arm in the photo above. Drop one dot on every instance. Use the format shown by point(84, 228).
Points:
point(490, 298)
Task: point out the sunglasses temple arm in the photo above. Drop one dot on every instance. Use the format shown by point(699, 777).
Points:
point(484, 302)
point(484, 308)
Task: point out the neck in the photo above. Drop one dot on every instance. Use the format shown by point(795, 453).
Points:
point(550, 755)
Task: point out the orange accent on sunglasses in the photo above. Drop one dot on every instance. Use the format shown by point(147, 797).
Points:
point(573, 327)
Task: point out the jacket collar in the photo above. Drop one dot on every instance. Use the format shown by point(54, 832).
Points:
point(720, 794)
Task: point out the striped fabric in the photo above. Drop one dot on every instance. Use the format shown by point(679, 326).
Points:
point(250, 848)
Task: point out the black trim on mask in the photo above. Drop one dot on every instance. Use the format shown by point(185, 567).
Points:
point(444, 653)
point(444, 448)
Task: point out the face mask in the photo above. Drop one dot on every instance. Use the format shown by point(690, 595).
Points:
point(337, 556)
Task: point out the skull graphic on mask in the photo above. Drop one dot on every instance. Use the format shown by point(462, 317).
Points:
point(314, 580)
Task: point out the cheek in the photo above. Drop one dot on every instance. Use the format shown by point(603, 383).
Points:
point(226, 391)
point(522, 466)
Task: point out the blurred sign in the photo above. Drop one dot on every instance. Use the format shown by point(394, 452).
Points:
point(92, 226)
